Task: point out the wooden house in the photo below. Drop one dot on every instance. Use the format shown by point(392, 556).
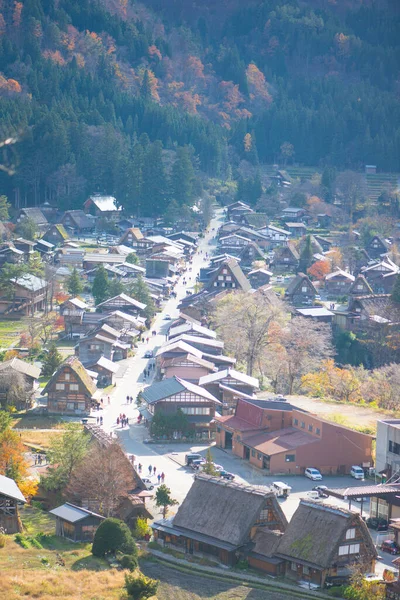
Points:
point(276, 235)
point(339, 283)
point(259, 277)
point(286, 258)
point(71, 390)
point(228, 275)
point(77, 222)
point(30, 374)
point(106, 370)
point(123, 303)
point(322, 543)
point(133, 237)
point(237, 210)
point(325, 244)
point(102, 206)
point(30, 296)
point(360, 287)
point(56, 234)
point(26, 246)
point(46, 249)
point(220, 520)
point(191, 329)
point(324, 221)
point(75, 523)
point(381, 275)
point(377, 246)
point(34, 214)
point(169, 395)
point(228, 385)
point(250, 253)
point(10, 254)
point(10, 497)
point(296, 230)
point(292, 214)
point(188, 367)
point(301, 290)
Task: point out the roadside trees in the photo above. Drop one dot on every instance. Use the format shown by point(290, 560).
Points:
point(66, 451)
point(74, 283)
point(164, 499)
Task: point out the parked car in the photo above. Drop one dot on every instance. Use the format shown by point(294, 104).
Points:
point(377, 523)
point(226, 475)
point(312, 495)
point(313, 474)
point(149, 484)
point(390, 546)
point(357, 472)
point(281, 489)
point(167, 317)
point(148, 354)
point(321, 490)
point(196, 464)
point(189, 458)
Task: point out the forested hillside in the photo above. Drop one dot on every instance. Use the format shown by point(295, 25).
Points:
point(81, 81)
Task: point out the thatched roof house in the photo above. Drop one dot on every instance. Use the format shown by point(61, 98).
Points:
point(221, 518)
point(324, 541)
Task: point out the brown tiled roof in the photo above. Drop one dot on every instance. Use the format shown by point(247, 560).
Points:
point(279, 441)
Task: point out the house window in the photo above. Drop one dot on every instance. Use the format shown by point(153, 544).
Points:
point(285, 259)
point(60, 386)
point(302, 425)
point(359, 286)
point(354, 548)
point(259, 456)
point(296, 421)
point(304, 289)
point(66, 376)
point(306, 570)
point(228, 278)
point(233, 284)
point(343, 550)
point(253, 452)
point(351, 533)
point(293, 566)
point(310, 428)
point(74, 387)
point(290, 458)
point(220, 277)
point(218, 429)
point(318, 431)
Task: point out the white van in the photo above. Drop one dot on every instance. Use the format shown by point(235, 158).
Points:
point(280, 489)
point(357, 472)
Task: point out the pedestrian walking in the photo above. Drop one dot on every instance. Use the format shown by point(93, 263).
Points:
point(131, 399)
point(140, 468)
point(35, 457)
point(127, 399)
point(127, 421)
point(117, 421)
point(159, 478)
point(101, 421)
point(154, 470)
point(162, 476)
point(109, 399)
point(150, 469)
point(97, 420)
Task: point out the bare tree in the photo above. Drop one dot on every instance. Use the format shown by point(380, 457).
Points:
point(352, 188)
point(307, 344)
point(14, 390)
point(102, 478)
point(247, 323)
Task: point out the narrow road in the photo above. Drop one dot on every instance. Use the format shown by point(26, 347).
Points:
point(132, 380)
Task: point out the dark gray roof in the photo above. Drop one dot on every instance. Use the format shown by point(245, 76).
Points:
point(81, 220)
point(31, 282)
point(223, 510)
point(315, 532)
point(273, 404)
point(35, 214)
point(72, 514)
point(171, 386)
point(9, 488)
point(298, 281)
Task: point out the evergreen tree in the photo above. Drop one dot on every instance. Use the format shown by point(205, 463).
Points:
point(306, 256)
point(164, 498)
point(182, 177)
point(132, 258)
point(4, 208)
point(145, 89)
point(140, 292)
point(100, 285)
point(395, 295)
point(74, 283)
point(208, 466)
point(52, 361)
point(27, 228)
point(328, 183)
point(154, 181)
point(114, 288)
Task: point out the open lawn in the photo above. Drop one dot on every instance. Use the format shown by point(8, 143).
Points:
point(31, 420)
point(58, 569)
point(39, 439)
point(10, 332)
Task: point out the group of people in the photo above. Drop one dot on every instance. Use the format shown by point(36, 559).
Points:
point(123, 419)
point(39, 458)
point(152, 471)
point(99, 421)
point(147, 371)
point(129, 399)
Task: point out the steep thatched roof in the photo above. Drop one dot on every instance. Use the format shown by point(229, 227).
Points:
point(79, 370)
point(315, 532)
point(223, 510)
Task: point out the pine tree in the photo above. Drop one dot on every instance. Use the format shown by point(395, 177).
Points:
point(74, 283)
point(145, 90)
point(100, 285)
point(182, 177)
point(140, 292)
point(4, 208)
point(306, 256)
point(395, 295)
point(52, 361)
point(154, 181)
point(208, 466)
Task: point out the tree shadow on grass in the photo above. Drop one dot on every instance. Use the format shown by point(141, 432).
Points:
point(90, 563)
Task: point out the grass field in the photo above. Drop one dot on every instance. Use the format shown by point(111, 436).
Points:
point(10, 332)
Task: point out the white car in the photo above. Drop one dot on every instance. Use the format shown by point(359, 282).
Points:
point(313, 495)
point(149, 484)
point(357, 472)
point(313, 474)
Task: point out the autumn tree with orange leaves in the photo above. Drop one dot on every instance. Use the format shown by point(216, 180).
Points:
point(319, 269)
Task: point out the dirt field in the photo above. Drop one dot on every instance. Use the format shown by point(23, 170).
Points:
point(175, 585)
point(355, 415)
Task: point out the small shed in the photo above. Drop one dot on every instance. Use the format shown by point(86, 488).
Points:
point(10, 496)
point(76, 523)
